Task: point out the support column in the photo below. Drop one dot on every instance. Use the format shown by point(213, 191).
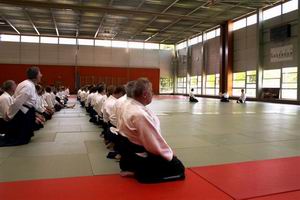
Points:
point(226, 56)
point(260, 54)
point(298, 55)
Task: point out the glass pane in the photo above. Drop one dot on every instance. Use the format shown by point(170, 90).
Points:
point(236, 92)
point(49, 40)
point(210, 84)
point(251, 86)
point(239, 76)
point(71, 41)
point(103, 43)
point(289, 6)
point(199, 81)
point(10, 38)
point(252, 72)
point(218, 32)
point(87, 42)
point(210, 91)
point(151, 46)
point(239, 24)
point(166, 47)
point(289, 78)
point(239, 84)
point(210, 78)
point(193, 81)
point(271, 83)
point(30, 39)
point(289, 85)
point(198, 90)
point(166, 85)
point(181, 90)
point(252, 19)
point(272, 12)
point(136, 45)
point(210, 34)
point(193, 41)
point(119, 44)
point(289, 94)
point(251, 92)
point(289, 69)
point(251, 79)
point(181, 45)
point(200, 38)
point(274, 73)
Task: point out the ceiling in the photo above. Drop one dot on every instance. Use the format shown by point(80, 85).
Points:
point(163, 21)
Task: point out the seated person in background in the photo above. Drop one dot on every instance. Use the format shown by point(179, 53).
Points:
point(192, 96)
point(41, 105)
point(144, 152)
point(242, 98)
point(224, 97)
point(6, 100)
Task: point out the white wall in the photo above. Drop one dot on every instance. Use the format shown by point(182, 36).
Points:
point(52, 54)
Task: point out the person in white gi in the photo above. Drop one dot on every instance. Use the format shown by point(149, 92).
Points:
point(143, 150)
point(242, 98)
point(22, 111)
point(6, 100)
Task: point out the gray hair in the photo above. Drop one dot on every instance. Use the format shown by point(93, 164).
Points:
point(141, 85)
point(7, 85)
point(129, 87)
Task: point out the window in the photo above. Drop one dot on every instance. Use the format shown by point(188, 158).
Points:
point(210, 34)
point(218, 32)
point(193, 83)
point(87, 42)
point(166, 85)
point(70, 41)
point(289, 83)
point(271, 78)
point(272, 12)
point(251, 83)
point(252, 20)
point(199, 82)
point(136, 45)
point(193, 41)
point(49, 40)
point(10, 38)
point(119, 44)
point(239, 82)
point(289, 6)
point(239, 24)
point(30, 39)
point(166, 47)
point(181, 85)
point(200, 38)
point(181, 45)
point(151, 46)
point(103, 43)
point(210, 84)
point(217, 84)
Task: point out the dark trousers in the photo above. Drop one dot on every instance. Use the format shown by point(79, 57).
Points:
point(20, 129)
point(151, 169)
point(192, 99)
point(223, 99)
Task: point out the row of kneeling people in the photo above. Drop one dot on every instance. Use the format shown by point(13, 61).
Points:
point(132, 130)
point(24, 108)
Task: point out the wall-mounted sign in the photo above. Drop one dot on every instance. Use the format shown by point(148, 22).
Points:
point(280, 54)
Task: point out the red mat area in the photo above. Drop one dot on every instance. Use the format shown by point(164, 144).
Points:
point(283, 196)
point(110, 187)
point(254, 179)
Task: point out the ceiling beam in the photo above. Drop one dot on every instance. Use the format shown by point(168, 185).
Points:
point(104, 9)
point(11, 25)
point(31, 22)
point(54, 22)
point(102, 19)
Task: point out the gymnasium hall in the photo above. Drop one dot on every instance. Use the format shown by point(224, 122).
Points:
point(149, 99)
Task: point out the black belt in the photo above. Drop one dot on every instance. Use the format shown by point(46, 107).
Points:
point(26, 106)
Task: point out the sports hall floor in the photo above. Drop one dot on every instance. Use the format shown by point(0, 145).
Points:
point(231, 151)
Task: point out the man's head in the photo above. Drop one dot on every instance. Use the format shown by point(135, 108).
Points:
point(34, 74)
point(142, 91)
point(129, 87)
point(119, 91)
point(9, 86)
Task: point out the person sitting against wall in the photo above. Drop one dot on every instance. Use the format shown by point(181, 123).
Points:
point(144, 152)
point(242, 98)
point(224, 97)
point(192, 96)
